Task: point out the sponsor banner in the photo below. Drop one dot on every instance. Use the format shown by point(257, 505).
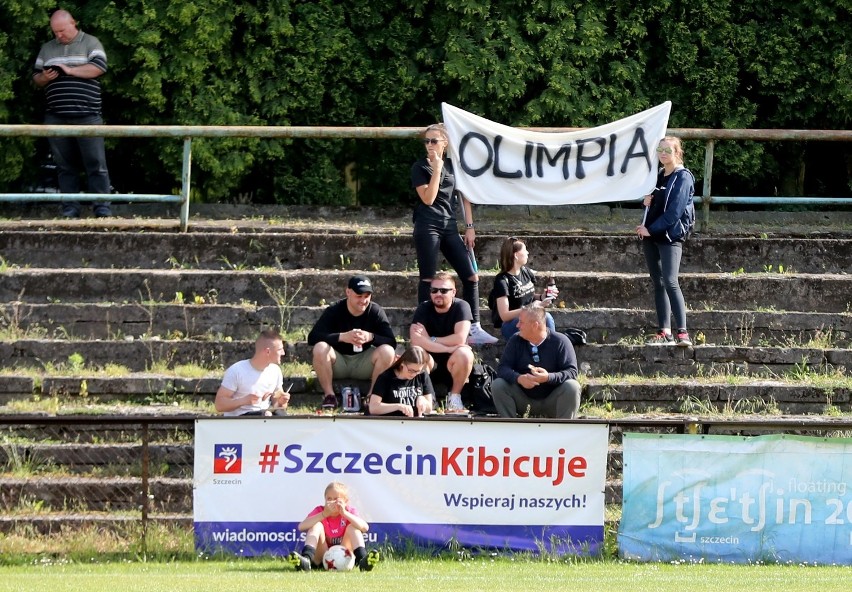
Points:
point(513, 485)
point(772, 498)
point(499, 165)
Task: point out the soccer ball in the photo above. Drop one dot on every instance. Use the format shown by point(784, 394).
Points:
point(338, 558)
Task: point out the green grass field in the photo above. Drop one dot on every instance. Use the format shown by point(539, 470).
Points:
point(423, 576)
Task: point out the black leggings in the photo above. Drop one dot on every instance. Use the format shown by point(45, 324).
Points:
point(429, 239)
point(663, 265)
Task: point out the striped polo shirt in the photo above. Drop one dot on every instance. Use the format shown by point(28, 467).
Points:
point(69, 96)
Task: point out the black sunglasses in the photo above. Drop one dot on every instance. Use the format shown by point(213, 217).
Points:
point(428, 141)
point(440, 290)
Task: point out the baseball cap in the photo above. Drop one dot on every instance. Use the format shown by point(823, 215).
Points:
point(360, 284)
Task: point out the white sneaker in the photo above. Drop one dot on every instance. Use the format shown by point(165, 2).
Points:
point(454, 404)
point(479, 336)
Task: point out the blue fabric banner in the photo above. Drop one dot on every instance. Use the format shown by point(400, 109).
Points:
point(737, 499)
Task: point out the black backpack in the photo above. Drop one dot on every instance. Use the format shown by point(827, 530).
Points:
point(476, 393)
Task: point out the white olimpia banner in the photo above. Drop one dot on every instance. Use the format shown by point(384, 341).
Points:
point(504, 485)
point(496, 164)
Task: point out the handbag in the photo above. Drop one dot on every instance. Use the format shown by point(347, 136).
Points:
point(575, 336)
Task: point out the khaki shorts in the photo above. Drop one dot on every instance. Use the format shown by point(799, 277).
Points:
point(356, 367)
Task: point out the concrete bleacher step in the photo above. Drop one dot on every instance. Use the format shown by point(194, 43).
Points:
point(598, 359)
point(393, 250)
point(699, 395)
point(312, 287)
point(108, 321)
point(91, 494)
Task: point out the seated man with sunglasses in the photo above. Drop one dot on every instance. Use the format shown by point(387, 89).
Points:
point(537, 375)
point(440, 326)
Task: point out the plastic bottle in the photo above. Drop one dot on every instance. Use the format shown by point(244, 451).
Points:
point(356, 399)
point(472, 257)
point(550, 290)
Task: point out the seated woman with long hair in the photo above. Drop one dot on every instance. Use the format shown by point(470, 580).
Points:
point(514, 288)
point(404, 389)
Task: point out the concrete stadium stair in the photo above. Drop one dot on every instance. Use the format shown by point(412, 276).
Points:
point(771, 310)
point(762, 305)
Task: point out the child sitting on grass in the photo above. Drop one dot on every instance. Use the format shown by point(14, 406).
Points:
point(334, 523)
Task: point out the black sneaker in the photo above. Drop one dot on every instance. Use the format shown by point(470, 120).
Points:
point(661, 338)
point(683, 339)
point(102, 212)
point(329, 402)
point(370, 561)
point(299, 562)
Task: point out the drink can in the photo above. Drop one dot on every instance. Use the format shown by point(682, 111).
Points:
point(346, 395)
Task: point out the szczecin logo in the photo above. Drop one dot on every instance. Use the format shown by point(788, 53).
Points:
point(228, 459)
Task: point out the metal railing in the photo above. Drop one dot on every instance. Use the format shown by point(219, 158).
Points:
point(186, 133)
point(123, 472)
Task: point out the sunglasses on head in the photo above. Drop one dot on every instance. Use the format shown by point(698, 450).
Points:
point(440, 290)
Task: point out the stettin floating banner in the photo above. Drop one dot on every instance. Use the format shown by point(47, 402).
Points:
point(499, 165)
point(732, 499)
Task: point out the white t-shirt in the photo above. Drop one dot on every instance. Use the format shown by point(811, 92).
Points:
point(244, 379)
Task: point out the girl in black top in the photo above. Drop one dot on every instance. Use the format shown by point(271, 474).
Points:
point(405, 388)
point(436, 230)
point(514, 287)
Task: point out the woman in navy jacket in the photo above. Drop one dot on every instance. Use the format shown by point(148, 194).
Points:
point(669, 217)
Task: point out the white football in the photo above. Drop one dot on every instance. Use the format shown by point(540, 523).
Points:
point(338, 558)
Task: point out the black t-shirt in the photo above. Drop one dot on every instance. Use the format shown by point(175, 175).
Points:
point(394, 390)
point(443, 208)
point(519, 289)
point(337, 319)
point(441, 325)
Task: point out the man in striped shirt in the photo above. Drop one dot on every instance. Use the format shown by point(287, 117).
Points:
point(68, 68)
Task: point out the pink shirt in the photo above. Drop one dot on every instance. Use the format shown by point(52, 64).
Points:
point(334, 526)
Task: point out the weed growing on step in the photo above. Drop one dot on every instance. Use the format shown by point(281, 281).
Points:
point(233, 266)
point(750, 406)
point(76, 363)
point(13, 326)
point(22, 461)
point(779, 269)
point(178, 264)
point(283, 300)
point(638, 339)
point(822, 338)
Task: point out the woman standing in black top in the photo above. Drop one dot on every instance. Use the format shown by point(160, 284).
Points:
point(436, 229)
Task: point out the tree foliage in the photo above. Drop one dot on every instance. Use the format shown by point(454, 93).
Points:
point(722, 63)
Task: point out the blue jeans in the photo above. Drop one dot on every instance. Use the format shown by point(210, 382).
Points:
point(663, 265)
point(509, 328)
point(429, 239)
point(74, 154)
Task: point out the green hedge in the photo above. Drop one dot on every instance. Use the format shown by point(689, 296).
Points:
point(723, 63)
